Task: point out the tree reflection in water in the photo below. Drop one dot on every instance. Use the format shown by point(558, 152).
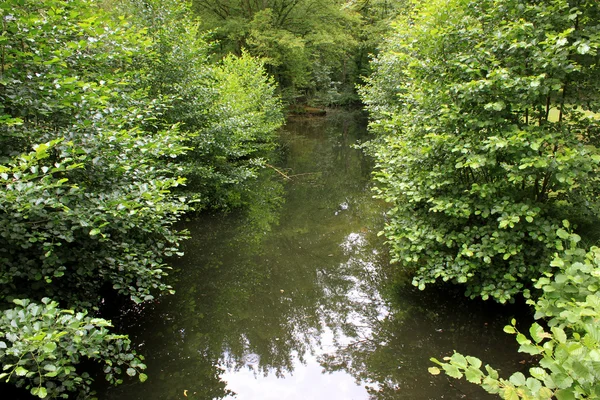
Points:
point(390, 330)
point(291, 292)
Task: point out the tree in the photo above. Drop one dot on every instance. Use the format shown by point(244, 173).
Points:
point(306, 46)
point(228, 109)
point(486, 113)
point(376, 17)
point(96, 113)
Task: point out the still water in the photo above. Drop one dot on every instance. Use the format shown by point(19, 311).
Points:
point(295, 298)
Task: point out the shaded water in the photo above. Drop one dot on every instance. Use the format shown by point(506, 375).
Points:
point(294, 300)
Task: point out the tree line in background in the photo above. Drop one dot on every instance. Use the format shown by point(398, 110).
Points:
point(114, 122)
point(487, 116)
point(317, 51)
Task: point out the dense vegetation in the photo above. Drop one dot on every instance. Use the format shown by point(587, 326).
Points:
point(316, 51)
point(487, 116)
point(118, 117)
point(105, 112)
point(487, 139)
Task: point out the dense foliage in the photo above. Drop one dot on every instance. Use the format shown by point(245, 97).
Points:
point(486, 115)
point(316, 51)
point(228, 110)
point(567, 353)
point(85, 171)
point(44, 345)
point(96, 114)
point(238, 133)
point(488, 119)
point(305, 45)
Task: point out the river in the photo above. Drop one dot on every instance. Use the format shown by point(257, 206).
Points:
point(295, 298)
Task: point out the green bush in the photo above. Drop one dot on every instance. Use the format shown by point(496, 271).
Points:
point(568, 350)
point(486, 115)
point(97, 112)
point(227, 108)
point(41, 345)
point(86, 175)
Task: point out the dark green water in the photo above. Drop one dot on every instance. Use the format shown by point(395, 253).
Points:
point(294, 299)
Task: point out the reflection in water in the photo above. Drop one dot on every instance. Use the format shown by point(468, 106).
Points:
point(285, 301)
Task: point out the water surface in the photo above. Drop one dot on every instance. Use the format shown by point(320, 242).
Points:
point(295, 298)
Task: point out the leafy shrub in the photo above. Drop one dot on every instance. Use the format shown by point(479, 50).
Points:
point(485, 112)
point(86, 175)
point(568, 351)
point(91, 203)
point(96, 113)
point(238, 133)
point(41, 345)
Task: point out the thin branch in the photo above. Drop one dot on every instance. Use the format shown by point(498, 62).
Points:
point(305, 173)
point(278, 171)
point(562, 101)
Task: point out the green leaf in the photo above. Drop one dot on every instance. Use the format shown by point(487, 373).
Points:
point(565, 394)
point(131, 372)
point(474, 375)
point(144, 377)
point(50, 367)
point(510, 394)
point(522, 339)
point(534, 385)
point(510, 329)
point(42, 393)
point(559, 334)
point(49, 347)
point(490, 385)
point(452, 371)
point(545, 393)
point(492, 372)
point(529, 349)
point(517, 379)
point(459, 360)
point(538, 373)
point(432, 371)
point(474, 361)
point(537, 333)
point(95, 232)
